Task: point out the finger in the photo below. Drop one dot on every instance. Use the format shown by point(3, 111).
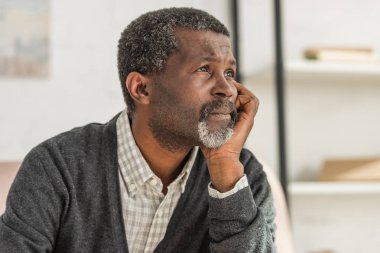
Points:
point(247, 103)
point(247, 109)
point(245, 97)
point(243, 90)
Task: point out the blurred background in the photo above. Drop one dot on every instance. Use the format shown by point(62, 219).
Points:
point(58, 70)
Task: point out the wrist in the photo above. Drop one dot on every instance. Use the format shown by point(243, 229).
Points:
point(225, 175)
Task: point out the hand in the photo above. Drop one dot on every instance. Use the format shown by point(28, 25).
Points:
point(223, 162)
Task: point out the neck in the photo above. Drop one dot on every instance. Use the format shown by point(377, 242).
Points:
point(166, 164)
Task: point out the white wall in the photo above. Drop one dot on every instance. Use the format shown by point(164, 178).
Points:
point(83, 85)
point(340, 22)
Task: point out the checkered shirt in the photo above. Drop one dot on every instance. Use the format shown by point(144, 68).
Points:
point(146, 210)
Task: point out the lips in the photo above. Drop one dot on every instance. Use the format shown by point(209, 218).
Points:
point(225, 112)
point(222, 110)
point(221, 115)
point(217, 110)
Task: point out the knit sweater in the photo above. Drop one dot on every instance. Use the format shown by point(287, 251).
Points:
point(66, 198)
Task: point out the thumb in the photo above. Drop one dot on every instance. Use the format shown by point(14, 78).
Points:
point(242, 100)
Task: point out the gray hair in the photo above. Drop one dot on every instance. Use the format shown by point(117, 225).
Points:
point(148, 41)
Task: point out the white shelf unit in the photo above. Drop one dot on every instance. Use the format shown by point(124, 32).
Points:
point(333, 215)
point(309, 72)
point(306, 67)
point(333, 188)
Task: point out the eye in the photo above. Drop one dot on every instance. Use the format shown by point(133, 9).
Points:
point(203, 69)
point(230, 73)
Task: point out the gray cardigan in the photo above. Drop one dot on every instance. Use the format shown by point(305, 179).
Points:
point(66, 198)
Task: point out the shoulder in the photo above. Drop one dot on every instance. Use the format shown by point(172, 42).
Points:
point(80, 140)
point(74, 142)
point(76, 137)
point(72, 149)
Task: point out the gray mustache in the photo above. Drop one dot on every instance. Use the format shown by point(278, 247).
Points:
point(218, 105)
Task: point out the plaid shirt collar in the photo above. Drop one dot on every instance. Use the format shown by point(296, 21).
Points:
point(134, 168)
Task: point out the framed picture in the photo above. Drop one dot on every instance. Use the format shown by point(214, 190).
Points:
point(24, 38)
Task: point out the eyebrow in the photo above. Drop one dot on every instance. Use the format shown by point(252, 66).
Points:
point(216, 59)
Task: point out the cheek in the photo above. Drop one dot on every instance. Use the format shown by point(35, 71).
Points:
point(191, 97)
point(175, 104)
point(235, 91)
point(181, 96)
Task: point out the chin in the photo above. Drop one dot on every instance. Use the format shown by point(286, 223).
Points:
point(213, 138)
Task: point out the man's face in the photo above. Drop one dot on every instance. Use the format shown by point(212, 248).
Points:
point(193, 99)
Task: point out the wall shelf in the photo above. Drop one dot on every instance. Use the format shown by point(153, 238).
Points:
point(333, 188)
point(331, 68)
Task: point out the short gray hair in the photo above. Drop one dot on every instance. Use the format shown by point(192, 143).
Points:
point(148, 41)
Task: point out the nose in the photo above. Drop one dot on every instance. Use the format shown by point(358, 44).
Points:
point(224, 88)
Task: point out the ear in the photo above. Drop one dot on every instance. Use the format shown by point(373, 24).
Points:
point(138, 86)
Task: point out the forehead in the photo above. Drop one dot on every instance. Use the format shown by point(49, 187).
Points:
point(194, 44)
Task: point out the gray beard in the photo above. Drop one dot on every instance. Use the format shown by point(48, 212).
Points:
point(216, 137)
point(213, 139)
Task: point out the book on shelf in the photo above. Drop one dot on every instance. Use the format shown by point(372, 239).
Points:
point(351, 170)
point(342, 54)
